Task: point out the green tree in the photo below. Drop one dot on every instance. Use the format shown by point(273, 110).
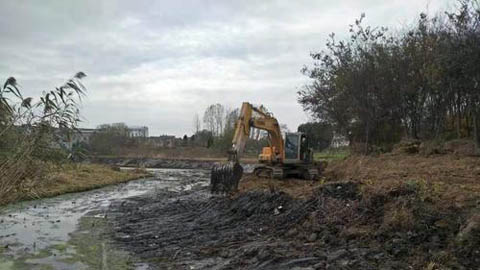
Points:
point(109, 138)
point(320, 134)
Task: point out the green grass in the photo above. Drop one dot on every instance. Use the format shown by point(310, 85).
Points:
point(331, 154)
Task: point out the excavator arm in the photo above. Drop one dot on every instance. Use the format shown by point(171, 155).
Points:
point(225, 178)
point(252, 117)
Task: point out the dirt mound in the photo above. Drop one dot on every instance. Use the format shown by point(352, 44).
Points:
point(460, 147)
point(339, 190)
point(407, 147)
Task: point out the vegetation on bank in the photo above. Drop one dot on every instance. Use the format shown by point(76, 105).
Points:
point(56, 179)
point(332, 154)
point(34, 161)
point(379, 86)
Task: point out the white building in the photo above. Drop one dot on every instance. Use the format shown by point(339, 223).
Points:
point(339, 141)
point(138, 131)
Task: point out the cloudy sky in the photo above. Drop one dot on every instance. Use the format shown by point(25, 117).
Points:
point(157, 63)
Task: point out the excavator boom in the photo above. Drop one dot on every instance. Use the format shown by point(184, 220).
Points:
point(252, 117)
point(225, 178)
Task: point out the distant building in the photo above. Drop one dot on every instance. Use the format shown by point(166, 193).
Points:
point(66, 138)
point(138, 132)
point(83, 135)
point(339, 141)
point(166, 141)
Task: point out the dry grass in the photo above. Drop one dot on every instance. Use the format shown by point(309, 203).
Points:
point(446, 179)
point(398, 216)
point(434, 198)
point(70, 178)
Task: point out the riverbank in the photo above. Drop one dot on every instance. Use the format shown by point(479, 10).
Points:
point(166, 163)
point(385, 212)
point(68, 178)
point(70, 231)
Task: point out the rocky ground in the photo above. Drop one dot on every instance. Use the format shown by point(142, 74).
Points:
point(332, 224)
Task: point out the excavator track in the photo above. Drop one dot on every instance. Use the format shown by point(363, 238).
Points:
point(269, 172)
point(277, 173)
point(311, 174)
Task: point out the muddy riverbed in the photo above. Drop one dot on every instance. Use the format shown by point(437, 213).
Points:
point(54, 233)
point(254, 230)
point(171, 221)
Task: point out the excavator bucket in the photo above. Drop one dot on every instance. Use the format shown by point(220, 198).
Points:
point(224, 178)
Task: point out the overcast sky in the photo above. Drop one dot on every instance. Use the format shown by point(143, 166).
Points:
point(157, 63)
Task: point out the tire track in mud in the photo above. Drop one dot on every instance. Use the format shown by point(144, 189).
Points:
point(271, 230)
point(194, 230)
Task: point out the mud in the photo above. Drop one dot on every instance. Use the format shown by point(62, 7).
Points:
point(255, 230)
point(171, 221)
point(336, 228)
point(47, 233)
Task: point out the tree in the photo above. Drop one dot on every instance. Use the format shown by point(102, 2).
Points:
point(109, 138)
point(231, 118)
point(213, 118)
point(284, 129)
point(320, 134)
point(379, 86)
point(197, 125)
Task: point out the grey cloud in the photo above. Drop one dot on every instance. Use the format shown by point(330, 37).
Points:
point(157, 63)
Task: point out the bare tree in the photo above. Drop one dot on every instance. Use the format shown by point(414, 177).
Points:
point(197, 125)
point(209, 119)
point(231, 117)
point(213, 118)
point(284, 129)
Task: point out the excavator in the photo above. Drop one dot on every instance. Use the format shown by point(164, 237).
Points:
point(283, 157)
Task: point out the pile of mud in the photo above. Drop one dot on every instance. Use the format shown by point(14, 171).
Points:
point(338, 227)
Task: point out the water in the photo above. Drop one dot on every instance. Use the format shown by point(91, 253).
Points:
point(27, 228)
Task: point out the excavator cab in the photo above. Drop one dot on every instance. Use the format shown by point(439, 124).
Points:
point(297, 148)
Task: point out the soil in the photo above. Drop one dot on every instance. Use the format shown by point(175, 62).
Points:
point(351, 223)
point(386, 212)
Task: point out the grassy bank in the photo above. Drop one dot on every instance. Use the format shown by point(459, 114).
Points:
point(67, 178)
point(332, 154)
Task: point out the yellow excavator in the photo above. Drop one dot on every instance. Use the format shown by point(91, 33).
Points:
point(282, 158)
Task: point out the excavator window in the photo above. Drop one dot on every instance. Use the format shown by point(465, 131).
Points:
point(291, 146)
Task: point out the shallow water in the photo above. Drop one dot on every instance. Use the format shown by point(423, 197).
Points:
point(28, 228)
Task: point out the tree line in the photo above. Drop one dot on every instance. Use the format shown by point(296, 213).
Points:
point(378, 86)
